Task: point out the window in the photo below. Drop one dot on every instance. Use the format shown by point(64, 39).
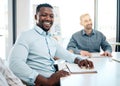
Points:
point(107, 19)
point(3, 27)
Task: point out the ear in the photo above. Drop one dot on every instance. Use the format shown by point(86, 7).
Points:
point(81, 23)
point(35, 17)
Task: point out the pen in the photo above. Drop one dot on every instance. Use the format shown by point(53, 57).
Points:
point(68, 68)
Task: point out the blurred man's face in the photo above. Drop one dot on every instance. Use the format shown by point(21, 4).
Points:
point(44, 18)
point(86, 22)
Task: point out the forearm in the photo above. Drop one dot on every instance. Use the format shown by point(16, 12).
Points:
point(40, 80)
point(64, 54)
point(74, 50)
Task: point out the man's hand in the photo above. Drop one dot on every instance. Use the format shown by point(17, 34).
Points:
point(85, 53)
point(106, 54)
point(84, 63)
point(53, 80)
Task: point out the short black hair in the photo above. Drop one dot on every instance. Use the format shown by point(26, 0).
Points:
point(43, 5)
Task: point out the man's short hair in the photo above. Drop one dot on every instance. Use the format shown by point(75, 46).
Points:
point(83, 15)
point(43, 5)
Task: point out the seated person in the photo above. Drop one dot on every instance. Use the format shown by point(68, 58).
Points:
point(32, 56)
point(7, 78)
point(88, 40)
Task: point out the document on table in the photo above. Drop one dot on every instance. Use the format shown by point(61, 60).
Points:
point(93, 55)
point(117, 59)
point(75, 69)
point(96, 55)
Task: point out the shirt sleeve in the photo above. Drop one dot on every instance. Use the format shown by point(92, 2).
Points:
point(105, 45)
point(72, 45)
point(17, 62)
point(64, 54)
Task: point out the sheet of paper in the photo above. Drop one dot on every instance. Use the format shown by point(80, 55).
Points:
point(75, 69)
point(117, 59)
point(96, 55)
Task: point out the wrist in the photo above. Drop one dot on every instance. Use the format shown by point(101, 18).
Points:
point(76, 60)
point(40, 80)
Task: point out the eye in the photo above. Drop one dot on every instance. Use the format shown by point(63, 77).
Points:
point(43, 15)
point(51, 16)
point(90, 19)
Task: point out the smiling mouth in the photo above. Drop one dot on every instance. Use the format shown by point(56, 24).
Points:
point(48, 24)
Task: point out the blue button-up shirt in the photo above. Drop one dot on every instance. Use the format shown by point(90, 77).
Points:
point(92, 43)
point(33, 54)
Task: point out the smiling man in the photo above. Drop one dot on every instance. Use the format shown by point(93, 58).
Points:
point(88, 40)
point(32, 57)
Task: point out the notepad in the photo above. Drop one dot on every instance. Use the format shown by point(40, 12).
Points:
point(75, 69)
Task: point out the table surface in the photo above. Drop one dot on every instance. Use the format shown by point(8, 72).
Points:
point(108, 73)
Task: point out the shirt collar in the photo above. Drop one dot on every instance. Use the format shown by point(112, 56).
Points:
point(41, 31)
point(84, 33)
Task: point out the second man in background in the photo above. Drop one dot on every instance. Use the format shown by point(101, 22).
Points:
point(88, 40)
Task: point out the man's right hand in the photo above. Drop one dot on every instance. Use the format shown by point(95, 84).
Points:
point(55, 78)
point(52, 80)
point(85, 53)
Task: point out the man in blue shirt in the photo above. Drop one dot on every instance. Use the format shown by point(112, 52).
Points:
point(88, 40)
point(31, 58)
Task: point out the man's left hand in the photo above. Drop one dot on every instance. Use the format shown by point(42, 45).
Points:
point(106, 54)
point(84, 63)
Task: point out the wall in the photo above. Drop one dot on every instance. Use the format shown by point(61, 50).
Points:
point(24, 15)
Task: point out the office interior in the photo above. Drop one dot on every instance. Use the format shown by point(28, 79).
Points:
point(18, 15)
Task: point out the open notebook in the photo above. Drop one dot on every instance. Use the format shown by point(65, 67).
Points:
point(75, 69)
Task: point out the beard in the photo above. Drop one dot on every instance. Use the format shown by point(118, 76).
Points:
point(46, 29)
point(45, 26)
point(89, 27)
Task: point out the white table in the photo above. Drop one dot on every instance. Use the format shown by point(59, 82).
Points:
point(115, 43)
point(108, 74)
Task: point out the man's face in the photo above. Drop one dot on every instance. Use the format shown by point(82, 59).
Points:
point(44, 18)
point(86, 22)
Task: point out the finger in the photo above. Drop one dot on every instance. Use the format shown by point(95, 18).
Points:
point(85, 64)
point(81, 63)
point(103, 54)
point(90, 64)
point(106, 54)
point(109, 55)
point(64, 73)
